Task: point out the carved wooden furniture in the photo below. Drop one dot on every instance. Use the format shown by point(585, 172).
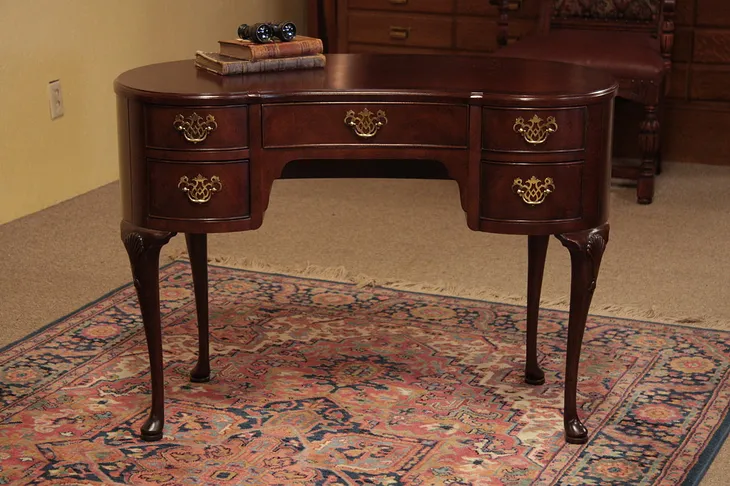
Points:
point(422, 26)
point(630, 39)
point(528, 143)
point(699, 98)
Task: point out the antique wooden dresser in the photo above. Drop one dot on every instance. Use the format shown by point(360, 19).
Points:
point(426, 26)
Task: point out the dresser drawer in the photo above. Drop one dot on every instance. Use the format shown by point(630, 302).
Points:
point(403, 124)
point(173, 127)
point(207, 191)
point(480, 34)
point(410, 6)
point(490, 8)
point(543, 130)
point(414, 30)
point(531, 192)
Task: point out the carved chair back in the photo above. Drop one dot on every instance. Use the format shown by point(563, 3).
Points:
point(604, 33)
point(635, 15)
point(654, 17)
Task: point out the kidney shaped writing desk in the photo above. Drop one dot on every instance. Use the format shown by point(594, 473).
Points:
point(528, 143)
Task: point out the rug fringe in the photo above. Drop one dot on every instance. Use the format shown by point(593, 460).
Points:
point(341, 274)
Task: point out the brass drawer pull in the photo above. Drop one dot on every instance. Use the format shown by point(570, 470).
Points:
point(200, 190)
point(366, 124)
point(398, 2)
point(399, 33)
point(533, 191)
point(535, 131)
point(194, 127)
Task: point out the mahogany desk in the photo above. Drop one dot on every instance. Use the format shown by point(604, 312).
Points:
point(528, 143)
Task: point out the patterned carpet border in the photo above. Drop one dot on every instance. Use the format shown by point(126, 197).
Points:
point(397, 444)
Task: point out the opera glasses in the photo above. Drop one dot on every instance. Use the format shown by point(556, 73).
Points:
point(268, 31)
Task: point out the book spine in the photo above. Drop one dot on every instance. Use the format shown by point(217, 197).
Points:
point(215, 65)
point(276, 50)
point(284, 64)
point(227, 68)
point(204, 67)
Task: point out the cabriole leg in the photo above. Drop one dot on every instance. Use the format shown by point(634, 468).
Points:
point(143, 247)
point(586, 250)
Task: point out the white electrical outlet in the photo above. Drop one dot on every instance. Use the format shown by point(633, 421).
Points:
point(55, 98)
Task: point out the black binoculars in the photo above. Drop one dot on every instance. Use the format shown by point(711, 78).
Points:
point(268, 31)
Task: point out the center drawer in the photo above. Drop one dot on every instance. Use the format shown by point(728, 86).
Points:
point(401, 124)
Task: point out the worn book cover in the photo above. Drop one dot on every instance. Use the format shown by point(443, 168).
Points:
point(251, 51)
point(225, 65)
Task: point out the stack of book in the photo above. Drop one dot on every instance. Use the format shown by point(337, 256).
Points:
point(240, 56)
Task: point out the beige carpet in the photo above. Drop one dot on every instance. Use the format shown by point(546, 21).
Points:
point(667, 261)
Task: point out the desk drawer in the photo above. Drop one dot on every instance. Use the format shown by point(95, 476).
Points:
point(173, 127)
point(543, 130)
point(413, 30)
point(410, 6)
point(406, 124)
point(211, 190)
point(531, 192)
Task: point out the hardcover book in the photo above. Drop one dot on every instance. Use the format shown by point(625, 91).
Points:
point(251, 51)
point(219, 64)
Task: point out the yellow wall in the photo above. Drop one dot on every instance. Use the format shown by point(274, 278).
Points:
point(87, 43)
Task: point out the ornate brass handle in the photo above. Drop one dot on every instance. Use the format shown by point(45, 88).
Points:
point(533, 191)
point(399, 33)
point(366, 124)
point(200, 189)
point(535, 131)
point(194, 127)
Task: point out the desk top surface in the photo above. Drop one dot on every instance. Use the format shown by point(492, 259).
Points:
point(384, 75)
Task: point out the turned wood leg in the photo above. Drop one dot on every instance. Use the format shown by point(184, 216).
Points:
point(537, 249)
point(143, 247)
point(649, 145)
point(661, 115)
point(586, 249)
point(198, 252)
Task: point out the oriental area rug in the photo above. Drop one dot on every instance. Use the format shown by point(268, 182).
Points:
point(318, 382)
